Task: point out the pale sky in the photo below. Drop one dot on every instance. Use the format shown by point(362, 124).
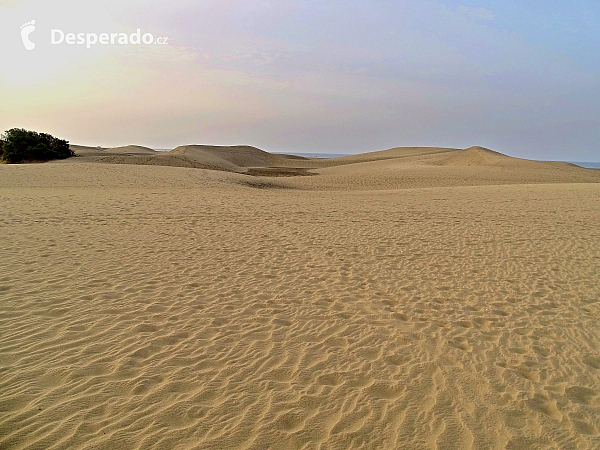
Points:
point(520, 77)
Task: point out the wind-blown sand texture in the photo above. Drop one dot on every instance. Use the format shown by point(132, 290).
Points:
point(413, 299)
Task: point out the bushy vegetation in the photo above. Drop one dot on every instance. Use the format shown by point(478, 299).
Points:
point(18, 145)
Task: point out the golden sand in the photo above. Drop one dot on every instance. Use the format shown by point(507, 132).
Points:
point(423, 300)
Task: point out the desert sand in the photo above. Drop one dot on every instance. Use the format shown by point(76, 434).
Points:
point(415, 298)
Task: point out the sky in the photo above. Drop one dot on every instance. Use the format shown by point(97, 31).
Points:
point(519, 77)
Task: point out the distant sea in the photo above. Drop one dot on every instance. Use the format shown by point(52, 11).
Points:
point(587, 165)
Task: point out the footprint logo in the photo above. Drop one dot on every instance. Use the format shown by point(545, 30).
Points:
point(26, 30)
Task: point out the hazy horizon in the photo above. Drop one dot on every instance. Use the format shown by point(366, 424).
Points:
point(313, 77)
point(324, 154)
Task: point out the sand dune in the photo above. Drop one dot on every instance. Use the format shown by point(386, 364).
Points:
point(146, 306)
point(401, 167)
point(86, 150)
point(392, 153)
point(480, 156)
point(231, 158)
point(131, 150)
point(238, 159)
point(428, 167)
point(240, 156)
point(127, 150)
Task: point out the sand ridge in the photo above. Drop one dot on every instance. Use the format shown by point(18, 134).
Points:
point(400, 167)
point(237, 158)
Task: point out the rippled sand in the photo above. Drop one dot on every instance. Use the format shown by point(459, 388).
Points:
point(162, 307)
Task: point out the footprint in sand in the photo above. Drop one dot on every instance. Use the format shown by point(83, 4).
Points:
point(26, 30)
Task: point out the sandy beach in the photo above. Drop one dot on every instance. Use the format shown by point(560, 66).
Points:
point(416, 298)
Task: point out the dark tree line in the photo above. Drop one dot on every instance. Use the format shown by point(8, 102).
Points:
point(18, 145)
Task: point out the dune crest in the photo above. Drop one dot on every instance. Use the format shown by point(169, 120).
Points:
point(478, 156)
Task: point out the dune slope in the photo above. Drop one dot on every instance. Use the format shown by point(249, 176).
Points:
point(421, 167)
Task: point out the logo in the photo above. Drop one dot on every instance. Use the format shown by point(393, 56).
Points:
point(26, 30)
point(58, 37)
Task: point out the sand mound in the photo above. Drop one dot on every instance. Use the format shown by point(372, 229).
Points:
point(484, 157)
point(397, 153)
point(131, 150)
point(233, 159)
point(86, 150)
point(241, 159)
point(477, 156)
point(392, 153)
point(238, 155)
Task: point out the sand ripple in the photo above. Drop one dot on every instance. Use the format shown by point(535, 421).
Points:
point(215, 317)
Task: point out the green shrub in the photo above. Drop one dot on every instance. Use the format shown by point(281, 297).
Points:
point(18, 144)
